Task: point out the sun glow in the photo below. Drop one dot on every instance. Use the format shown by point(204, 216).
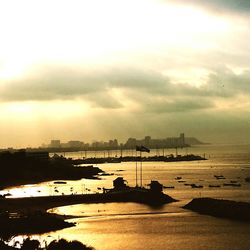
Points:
point(96, 31)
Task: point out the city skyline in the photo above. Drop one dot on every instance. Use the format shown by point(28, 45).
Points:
point(114, 69)
point(128, 143)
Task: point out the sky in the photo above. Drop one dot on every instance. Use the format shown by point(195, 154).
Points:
point(98, 70)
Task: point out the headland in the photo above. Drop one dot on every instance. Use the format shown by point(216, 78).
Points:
point(23, 167)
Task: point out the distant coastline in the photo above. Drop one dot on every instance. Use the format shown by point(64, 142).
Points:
point(189, 142)
point(152, 143)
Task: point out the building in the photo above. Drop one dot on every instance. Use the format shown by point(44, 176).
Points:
point(170, 142)
point(182, 139)
point(156, 187)
point(74, 144)
point(55, 144)
point(119, 183)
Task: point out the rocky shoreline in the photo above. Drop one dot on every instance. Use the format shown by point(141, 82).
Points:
point(221, 208)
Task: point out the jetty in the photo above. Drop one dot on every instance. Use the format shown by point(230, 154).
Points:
point(169, 158)
point(152, 196)
point(29, 214)
point(136, 195)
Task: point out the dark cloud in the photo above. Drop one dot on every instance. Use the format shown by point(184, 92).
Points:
point(151, 91)
point(94, 86)
point(138, 80)
point(179, 105)
point(228, 84)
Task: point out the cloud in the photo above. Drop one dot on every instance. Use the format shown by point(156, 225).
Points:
point(183, 105)
point(242, 6)
point(148, 91)
point(63, 83)
point(125, 102)
point(226, 83)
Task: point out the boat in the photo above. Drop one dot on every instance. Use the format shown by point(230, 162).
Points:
point(247, 179)
point(219, 177)
point(214, 186)
point(232, 184)
point(196, 186)
point(60, 182)
point(178, 178)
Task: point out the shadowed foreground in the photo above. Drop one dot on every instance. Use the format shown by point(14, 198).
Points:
point(61, 244)
point(12, 224)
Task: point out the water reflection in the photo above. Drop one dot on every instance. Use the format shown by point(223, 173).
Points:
point(135, 226)
point(199, 173)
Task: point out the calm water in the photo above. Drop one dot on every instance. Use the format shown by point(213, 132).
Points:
point(134, 226)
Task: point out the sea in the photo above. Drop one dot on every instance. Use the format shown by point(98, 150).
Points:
point(112, 226)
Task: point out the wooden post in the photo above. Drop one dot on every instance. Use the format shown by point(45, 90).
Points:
point(141, 169)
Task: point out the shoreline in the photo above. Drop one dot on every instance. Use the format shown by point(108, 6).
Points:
point(43, 203)
point(75, 173)
point(227, 209)
point(30, 215)
point(19, 183)
point(32, 223)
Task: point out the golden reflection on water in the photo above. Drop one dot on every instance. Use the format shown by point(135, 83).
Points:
point(174, 230)
point(84, 186)
point(135, 226)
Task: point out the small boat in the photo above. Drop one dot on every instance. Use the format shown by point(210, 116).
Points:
point(247, 179)
point(106, 174)
point(196, 186)
point(60, 182)
point(219, 177)
point(213, 186)
point(7, 195)
point(232, 184)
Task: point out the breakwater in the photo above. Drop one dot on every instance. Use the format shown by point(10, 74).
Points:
point(138, 195)
point(171, 158)
point(221, 208)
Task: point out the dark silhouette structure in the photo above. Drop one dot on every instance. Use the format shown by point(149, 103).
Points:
point(119, 184)
point(23, 167)
point(221, 208)
point(60, 244)
point(156, 187)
